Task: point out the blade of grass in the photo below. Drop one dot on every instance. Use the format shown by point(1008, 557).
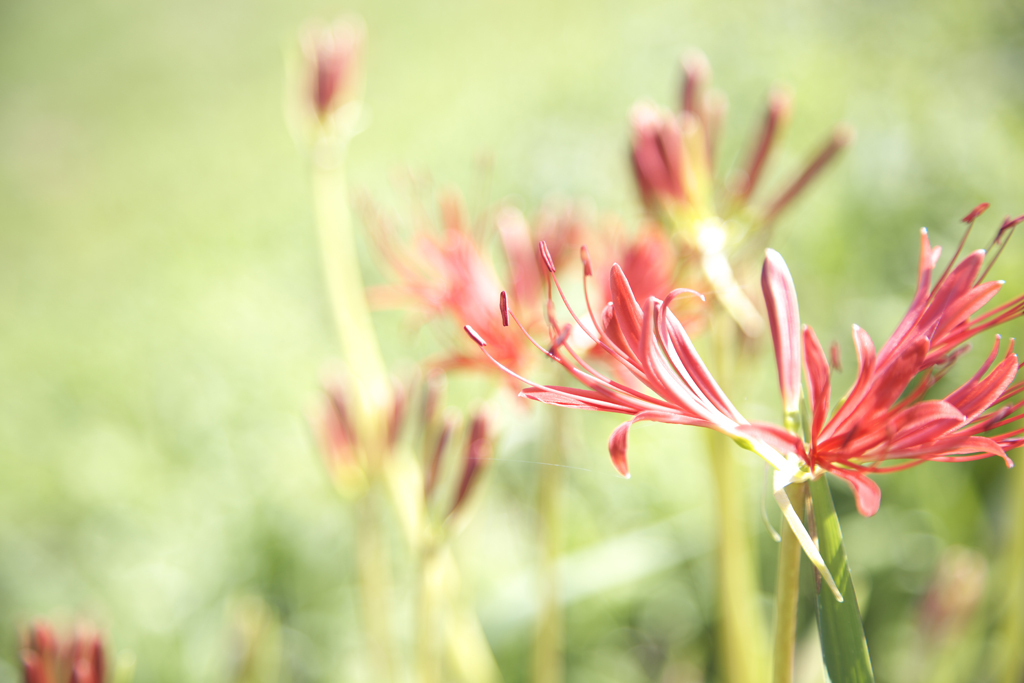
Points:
point(843, 646)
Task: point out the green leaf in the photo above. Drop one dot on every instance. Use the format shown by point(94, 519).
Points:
point(843, 646)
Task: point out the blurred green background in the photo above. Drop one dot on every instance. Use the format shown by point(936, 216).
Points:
point(164, 327)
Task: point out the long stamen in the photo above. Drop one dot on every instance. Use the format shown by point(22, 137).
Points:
point(1007, 228)
point(618, 408)
point(969, 220)
point(778, 111)
point(597, 339)
point(840, 139)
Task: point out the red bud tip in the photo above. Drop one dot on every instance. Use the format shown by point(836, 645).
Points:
point(844, 135)
point(975, 212)
point(503, 307)
point(779, 104)
point(474, 336)
point(585, 257)
point(546, 255)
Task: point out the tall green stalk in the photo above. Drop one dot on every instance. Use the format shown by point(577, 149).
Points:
point(787, 592)
point(742, 642)
point(351, 312)
point(374, 588)
point(369, 382)
point(549, 643)
point(1010, 657)
point(741, 634)
point(843, 646)
point(430, 616)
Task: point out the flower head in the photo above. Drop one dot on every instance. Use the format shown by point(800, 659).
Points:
point(46, 659)
point(333, 54)
point(675, 386)
point(673, 159)
point(673, 156)
point(885, 423)
point(429, 431)
point(651, 344)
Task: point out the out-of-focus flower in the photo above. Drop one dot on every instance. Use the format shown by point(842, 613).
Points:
point(431, 432)
point(348, 459)
point(46, 659)
point(954, 594)
point(885, 424)
point(448, 272)
point(673, 159)
point(333, 57)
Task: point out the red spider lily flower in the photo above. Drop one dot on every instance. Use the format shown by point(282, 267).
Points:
point(45, 659)
point(651, 344)
point(884, 423)
point(333, 54)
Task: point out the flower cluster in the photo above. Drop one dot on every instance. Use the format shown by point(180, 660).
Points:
point(883, 424)
point(333, 55)
point(673, 156)
point(45, 658)
point(429, 431)
point(673, 159)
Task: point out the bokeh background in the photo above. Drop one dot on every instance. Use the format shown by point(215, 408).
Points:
point(163, 327)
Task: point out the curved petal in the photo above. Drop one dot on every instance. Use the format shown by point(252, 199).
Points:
point(618, 442)
point(784, 319)
point(819, 381)
point(865, 492)
point(776, 437)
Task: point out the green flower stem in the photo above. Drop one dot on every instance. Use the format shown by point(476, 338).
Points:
point(549, 643)
point(787, 592)
point(843, 646)
point(467, 652)
point(359, 346)
point(1011, 630)
point(430, 616)
point(374, 587)
point(742, 642)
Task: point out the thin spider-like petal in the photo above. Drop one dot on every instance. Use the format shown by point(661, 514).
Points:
point(819, 381)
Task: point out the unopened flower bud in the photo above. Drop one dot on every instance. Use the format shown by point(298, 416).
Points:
point(333, 54)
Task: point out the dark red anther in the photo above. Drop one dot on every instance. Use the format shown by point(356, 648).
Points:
point(503, 307)
point(549, 263)
point(474, 336)
point(975, 212)
point(585, 257)
point(696, 72)
point(835, 357)
point(1009, 223)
